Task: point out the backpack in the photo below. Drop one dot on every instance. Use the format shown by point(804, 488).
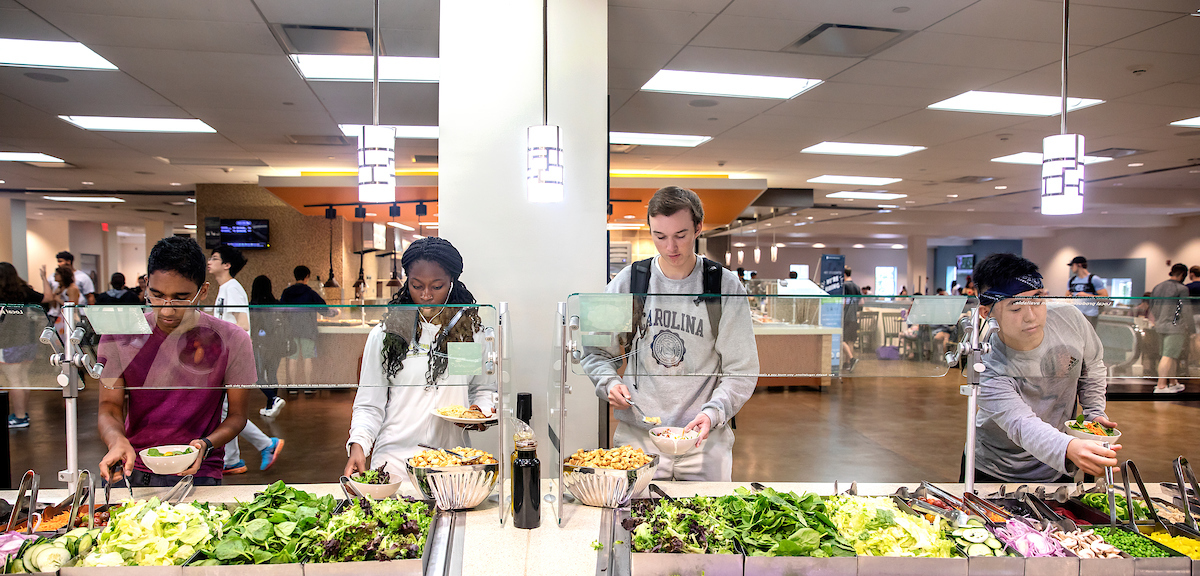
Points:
point(639, 284)
point(1091, 288)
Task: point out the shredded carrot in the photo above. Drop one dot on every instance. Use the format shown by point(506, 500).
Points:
point(54, 523)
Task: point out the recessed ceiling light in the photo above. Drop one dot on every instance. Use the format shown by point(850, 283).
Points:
point(86, 183)
point(854, 195)
point(28, 157)
point(192, 200)
point(415, 132)
point(178, 184)
point(1035, 159)
point(851, 149)
point(888, 206)
point(853, 180)
point(810, 217)
point(401, 226)
point(640, 139)
point(1, 181)
point(119, 124)
point(734, 85)
point(1008, 103)
point(47, 54)
point(1136, 164)
point(1002, 187)
point(885, 211)
point(858, 246)
point(739, 244)
point(818, 245)
point(352, 68)
point(780, 245)
point(952, 195)
point(371, 214)
point(190, 226)
point(417, 236)
point(910, 201)
point(970, 209)
point(629, 216)
point(1190, 122)
point(897, 246)
point(833, 213)
point(108, 199)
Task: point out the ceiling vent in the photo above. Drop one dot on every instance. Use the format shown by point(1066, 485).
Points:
point(215, 162)
point(300, 39)
point(971, 180)
point(318, 140)
point(847, 40)
point(621, 148)
point(1117, 152)
point(425, 159)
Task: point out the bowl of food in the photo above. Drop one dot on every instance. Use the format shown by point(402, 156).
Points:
point(377, 483)
point(674, 440)
point(169, 459)
point(454, 483)
point(608, 478)
point(1094, 431)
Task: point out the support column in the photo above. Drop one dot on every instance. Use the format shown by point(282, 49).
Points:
point(155, 230)
point(13, 245)
point(530, 255)
point(918, 255)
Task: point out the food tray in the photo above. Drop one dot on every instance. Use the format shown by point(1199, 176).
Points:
point(455, 487)
point(246, 570)
point(608, 488)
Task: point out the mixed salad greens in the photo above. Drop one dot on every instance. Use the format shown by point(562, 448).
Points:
point(370, 530)
point(271, 528)
point(158, 453)
point(876, 527)
point(374, 476)
point(1091, 427)
point(683, 525)
point(153, 533)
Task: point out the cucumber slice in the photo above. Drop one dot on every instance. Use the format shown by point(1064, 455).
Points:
point(958, 532)
point(77, 532)
point(51, 558)
point(30, 555)
point(976, 535)
point(978, 550)
point(975, 522)
point(86, 542)
point(993, 543)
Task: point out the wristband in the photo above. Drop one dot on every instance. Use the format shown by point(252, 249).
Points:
point(208, 446)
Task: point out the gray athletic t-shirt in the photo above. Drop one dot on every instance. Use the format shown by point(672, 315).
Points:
point(1026, 396)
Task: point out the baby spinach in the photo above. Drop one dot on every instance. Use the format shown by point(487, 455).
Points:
point(271, 528)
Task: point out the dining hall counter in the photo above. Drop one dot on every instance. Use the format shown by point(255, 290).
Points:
point(481, 546)
point(794, 348)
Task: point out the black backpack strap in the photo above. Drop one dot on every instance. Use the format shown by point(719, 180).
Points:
point(711, 284)
point(639, 276)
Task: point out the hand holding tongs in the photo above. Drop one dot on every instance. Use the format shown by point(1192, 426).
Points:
point(108, 487)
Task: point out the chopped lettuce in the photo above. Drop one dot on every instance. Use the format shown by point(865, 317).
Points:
point(370, 530)
point(876, 527)
point(153, 533)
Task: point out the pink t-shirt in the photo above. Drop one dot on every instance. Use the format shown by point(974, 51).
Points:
point(175, 382)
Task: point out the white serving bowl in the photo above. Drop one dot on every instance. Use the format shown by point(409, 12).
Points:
point(376, 491)
point(169, 464)
point(672, 446)
point(1089, 436)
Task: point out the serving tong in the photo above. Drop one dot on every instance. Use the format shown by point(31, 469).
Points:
point(1183, 471)
point(465, 460)
point(1044, 513)
point(29, 483)
point(108, 485)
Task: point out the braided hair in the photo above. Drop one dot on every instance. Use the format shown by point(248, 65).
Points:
point(401, 322)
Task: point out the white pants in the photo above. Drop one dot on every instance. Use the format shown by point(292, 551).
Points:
point(713, 463)
point(251, 433)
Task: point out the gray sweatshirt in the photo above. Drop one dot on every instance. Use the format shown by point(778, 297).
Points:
point(1026, 396)
point(681, 369)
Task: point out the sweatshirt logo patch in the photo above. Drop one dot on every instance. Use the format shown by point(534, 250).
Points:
point(668, 349)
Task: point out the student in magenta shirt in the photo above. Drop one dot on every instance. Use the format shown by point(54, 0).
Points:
point(175, 377)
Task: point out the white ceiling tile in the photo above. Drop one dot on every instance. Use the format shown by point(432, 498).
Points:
point(920, 75)
point(109, 93)
point(705, 59)
point(97, 30)
point(671, 114)
point(795, 131)
point(1176, 6)
point(921, 13)
point(629, 78)
point(399, 103)
point(1041, 21)
point(934, 127)
point(211, 10)
point(703, 6)
point(1181, 35)
point(976, 52)
point(1106, 74)
point(410, 14)
point(416, 43)
point(633, 25)
point(617, 98)
point(807, 108)
point(749, 33)
point(641, 55)
point(1178, 94)
point(17, 22)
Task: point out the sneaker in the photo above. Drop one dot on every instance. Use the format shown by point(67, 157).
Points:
point(270, 453)
point(1172, 389)
point(239, 468)
point(274, 409)
point(14, 422)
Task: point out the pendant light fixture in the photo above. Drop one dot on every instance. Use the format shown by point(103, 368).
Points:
point(774, 248)
point(331, 215)
point(376, 144)
point(1062, 154)
point(757, 252)
point(543, 150)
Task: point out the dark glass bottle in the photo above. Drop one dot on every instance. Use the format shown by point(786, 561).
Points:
point(527, 486)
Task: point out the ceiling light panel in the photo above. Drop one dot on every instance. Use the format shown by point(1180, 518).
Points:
point(347, 68)
point(1009, 103)
point(105, 199)
point(27, 157)
point(853, 180)
point(679, 140)
point(122, 124)
point(733, 85)
point(416, 132)
point(1190, 122)
point(1035, 159)
point(853, 195)
point(852, 149)
point(48, 54)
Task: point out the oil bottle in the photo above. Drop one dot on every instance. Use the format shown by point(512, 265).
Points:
point(527, 479)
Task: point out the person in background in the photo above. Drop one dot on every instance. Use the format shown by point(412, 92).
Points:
point(82, 281)
point(1085, 284)
point(866, 290)
point(404, 369)
point(1171, 314)
point(683, 369)
point(970, 289)
point(166, 387)
point(232, 306)
point(60, 290)
point(20, 328)
point(903, 291)
point(741, 275)
point(1045, 359)
point(141, 287)
point(270, 338)
point(303, 323)
point(850, 307)
point(941, 292)
point(119, 294)
point(1194, 291)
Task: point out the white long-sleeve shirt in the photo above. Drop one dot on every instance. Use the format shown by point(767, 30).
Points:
point(392, 415)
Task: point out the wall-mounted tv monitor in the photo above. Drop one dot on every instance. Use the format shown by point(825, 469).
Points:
point(245, 234)
point(966, 262)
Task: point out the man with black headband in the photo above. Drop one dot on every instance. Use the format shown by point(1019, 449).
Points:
point(1044, 359)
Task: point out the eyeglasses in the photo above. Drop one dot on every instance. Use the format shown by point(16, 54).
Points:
point(171, 302)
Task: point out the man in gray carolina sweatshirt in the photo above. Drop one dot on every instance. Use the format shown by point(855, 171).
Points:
point(1045, 358)
point(678, 371)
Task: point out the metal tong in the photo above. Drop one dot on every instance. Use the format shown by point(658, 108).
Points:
point(108, 486)
point(950, 499)
point(464, 459)
point(180, 490)
point(29, 482)
point(655, 489)
point(77, 500)
point(1183, 471)
point(1047, 515)
point(1112, 497)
